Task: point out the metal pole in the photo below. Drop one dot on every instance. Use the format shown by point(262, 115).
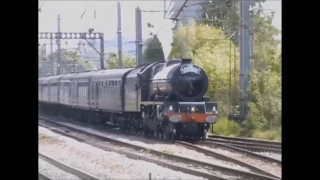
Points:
point(137, 55)
point(235, 73)
point(230, 78)
point(164, 8)
point(58, 50)
point(138, 37)
point(51, 55)
point(245, 26)
point(119, 36)
point(101, 52)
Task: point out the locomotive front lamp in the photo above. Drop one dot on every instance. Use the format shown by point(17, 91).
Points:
point(211, 119)
point(170, 108)
point(193, 109)
point(175, 118)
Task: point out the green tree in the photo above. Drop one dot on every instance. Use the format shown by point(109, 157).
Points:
point(70, 62)
point(213, 54)
point(211, 50)
point(112, 61)
point(224, 14)
point(154, 51)
point(265, 85)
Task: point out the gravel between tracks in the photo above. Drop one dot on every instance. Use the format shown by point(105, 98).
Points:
point(160, 146)
point(53, 172)
point(269, 167)
point(103, 164)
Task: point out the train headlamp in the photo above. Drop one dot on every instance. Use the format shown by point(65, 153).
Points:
point(193, 109)
point(170, 108)
point(211, 119)
point(175, 118)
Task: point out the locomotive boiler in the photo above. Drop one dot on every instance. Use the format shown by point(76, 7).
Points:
point(181, 80)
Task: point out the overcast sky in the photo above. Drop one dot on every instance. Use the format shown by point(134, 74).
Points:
point(105, 18)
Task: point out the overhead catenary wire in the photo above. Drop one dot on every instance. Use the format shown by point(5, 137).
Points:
point(39, 10)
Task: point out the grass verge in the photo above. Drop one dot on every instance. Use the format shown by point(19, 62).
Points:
point(230, 128)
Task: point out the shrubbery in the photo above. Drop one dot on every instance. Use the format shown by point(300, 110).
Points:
point(214, 52)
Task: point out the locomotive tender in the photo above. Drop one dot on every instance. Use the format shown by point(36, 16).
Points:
point(165, 98)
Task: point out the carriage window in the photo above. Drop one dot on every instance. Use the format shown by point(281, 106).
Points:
point(115, 83)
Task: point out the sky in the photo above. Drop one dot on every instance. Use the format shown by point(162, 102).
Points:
point(105, 19)
point(106, 16)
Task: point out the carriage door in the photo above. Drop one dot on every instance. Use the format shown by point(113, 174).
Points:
point(92, 94)
point(89, 92)
point(97, 93)
point(73, 93)
point(58, 93)
point(77, 89)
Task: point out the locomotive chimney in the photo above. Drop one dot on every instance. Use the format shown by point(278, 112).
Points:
point(186, 61)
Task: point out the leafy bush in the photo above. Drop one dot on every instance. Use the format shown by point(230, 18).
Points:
point(273, 134)
point(225, 127)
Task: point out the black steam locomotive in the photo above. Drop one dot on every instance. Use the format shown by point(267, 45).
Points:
point(165, 98)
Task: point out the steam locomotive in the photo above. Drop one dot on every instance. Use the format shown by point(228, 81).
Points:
point(164, 99)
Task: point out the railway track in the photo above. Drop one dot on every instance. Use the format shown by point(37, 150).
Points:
point(248, 144)
point(66, 168)
point(260, 141)
point(243, 151)
point(91, 139)
point(226, 158)
point(226, 146)
point(43, 177)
